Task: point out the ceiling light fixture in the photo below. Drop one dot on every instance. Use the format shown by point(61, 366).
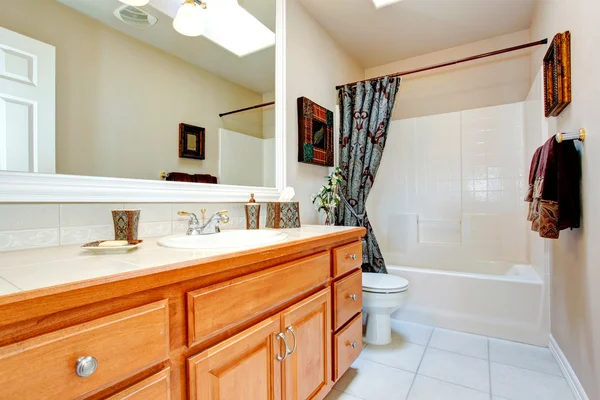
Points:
point(135, 3)
point(384, 3)
point(189, 20)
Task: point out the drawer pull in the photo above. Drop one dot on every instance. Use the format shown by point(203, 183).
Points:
point(352, 257)
point(280, 358)
point(86, 366)
point(352, 344)
point(291, 329)
point(353, 297)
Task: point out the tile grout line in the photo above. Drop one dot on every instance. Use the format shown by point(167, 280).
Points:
point(454, 384)
point(12, 284)
point(460, 354)
point(489, 367)
point(419, 366)
point(526, 369)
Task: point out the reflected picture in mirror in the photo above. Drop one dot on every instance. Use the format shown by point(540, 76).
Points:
point(100, 88)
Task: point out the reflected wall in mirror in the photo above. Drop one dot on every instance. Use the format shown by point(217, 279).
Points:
point(100, 88)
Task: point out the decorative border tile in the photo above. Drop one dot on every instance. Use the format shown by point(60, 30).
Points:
point(29, 239)
point(85, 234)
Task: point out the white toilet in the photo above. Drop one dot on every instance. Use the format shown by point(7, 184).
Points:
point(382, 295)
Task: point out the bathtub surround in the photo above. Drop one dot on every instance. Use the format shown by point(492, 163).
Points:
point(453, 221)
point(575, 274)
point(454, 188)
point(365, 112)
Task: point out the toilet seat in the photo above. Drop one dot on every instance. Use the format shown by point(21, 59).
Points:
point(383, 283)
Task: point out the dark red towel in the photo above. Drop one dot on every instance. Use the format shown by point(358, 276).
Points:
point(554, 191)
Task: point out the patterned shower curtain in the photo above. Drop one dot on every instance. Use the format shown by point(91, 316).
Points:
point(366, 109)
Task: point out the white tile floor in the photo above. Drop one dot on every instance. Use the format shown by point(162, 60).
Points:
point(425, 363)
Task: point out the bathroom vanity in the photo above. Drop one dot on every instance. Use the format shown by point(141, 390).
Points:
point(276, 322)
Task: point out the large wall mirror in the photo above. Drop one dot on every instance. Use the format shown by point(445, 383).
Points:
point(140, 100)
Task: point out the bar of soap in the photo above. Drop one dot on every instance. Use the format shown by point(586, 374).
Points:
point(114, 243)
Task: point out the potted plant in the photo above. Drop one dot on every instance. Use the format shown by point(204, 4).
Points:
point(327, 198)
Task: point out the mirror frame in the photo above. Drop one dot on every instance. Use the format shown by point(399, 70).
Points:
point(22, 187)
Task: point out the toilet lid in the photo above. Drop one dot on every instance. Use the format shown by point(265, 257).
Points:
point(384, 283)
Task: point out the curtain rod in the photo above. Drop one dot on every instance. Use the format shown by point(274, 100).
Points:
point(247, 108)
point(459, 61)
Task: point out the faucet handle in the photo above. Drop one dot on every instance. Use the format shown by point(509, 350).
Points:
point(188, 214)
point(224, 216)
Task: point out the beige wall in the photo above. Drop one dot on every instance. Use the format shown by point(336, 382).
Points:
point(315, 65)
point(493, 81)
point(120, 101)
point(576, 271)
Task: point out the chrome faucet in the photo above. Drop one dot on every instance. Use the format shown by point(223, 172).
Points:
point(209, 228)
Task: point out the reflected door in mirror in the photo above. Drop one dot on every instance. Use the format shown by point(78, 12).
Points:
point(27, 104)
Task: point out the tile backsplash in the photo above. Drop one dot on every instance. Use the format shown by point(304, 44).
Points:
point(27, 226)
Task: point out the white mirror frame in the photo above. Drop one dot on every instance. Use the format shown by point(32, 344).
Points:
point(20, 187)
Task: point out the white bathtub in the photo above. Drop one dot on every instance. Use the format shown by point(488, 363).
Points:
point(493, 299)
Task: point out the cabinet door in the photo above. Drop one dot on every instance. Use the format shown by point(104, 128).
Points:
point(307, 326)
point(242, 367)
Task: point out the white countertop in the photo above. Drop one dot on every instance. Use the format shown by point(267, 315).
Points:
point(43, 268)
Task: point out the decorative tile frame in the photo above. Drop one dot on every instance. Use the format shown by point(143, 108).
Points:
point(557, 75)
point(315, 133)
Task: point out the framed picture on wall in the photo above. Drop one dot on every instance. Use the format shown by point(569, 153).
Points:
point(315, 133)
point(191, 142)
point(557, 75)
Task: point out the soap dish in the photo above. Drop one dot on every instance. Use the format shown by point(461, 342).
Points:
point(94, 247)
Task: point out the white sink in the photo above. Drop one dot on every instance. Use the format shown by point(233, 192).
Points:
point(224, 240)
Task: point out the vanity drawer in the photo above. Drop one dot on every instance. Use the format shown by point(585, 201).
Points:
point(347, 298)
point(215, 309)
point(346, 258)
point(123, 344)
point(156, 387)
point(347, 345)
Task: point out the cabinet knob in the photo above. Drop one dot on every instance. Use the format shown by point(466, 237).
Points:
point(86, 366)
point(353, 256)
point(353, 297)
point(354, 345)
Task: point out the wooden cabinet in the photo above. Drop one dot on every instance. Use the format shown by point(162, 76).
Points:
point(156, 387)
point(307, 327)
point(277, 323)
point(217, 308)
point(347, 345)
point(346, 258)
point(347, 298)
point(287, 356)
point(347, 306)
point(54, 366)
point(243, 367)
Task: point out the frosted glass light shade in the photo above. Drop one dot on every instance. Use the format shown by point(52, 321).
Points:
point(189, 20)
point(135, 3)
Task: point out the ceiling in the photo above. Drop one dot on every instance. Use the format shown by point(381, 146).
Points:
point(255, 71)
point(411, 28)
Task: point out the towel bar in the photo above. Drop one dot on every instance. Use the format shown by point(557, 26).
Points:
point(580, 135)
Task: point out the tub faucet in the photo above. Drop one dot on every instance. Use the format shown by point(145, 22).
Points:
point(209, 228)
